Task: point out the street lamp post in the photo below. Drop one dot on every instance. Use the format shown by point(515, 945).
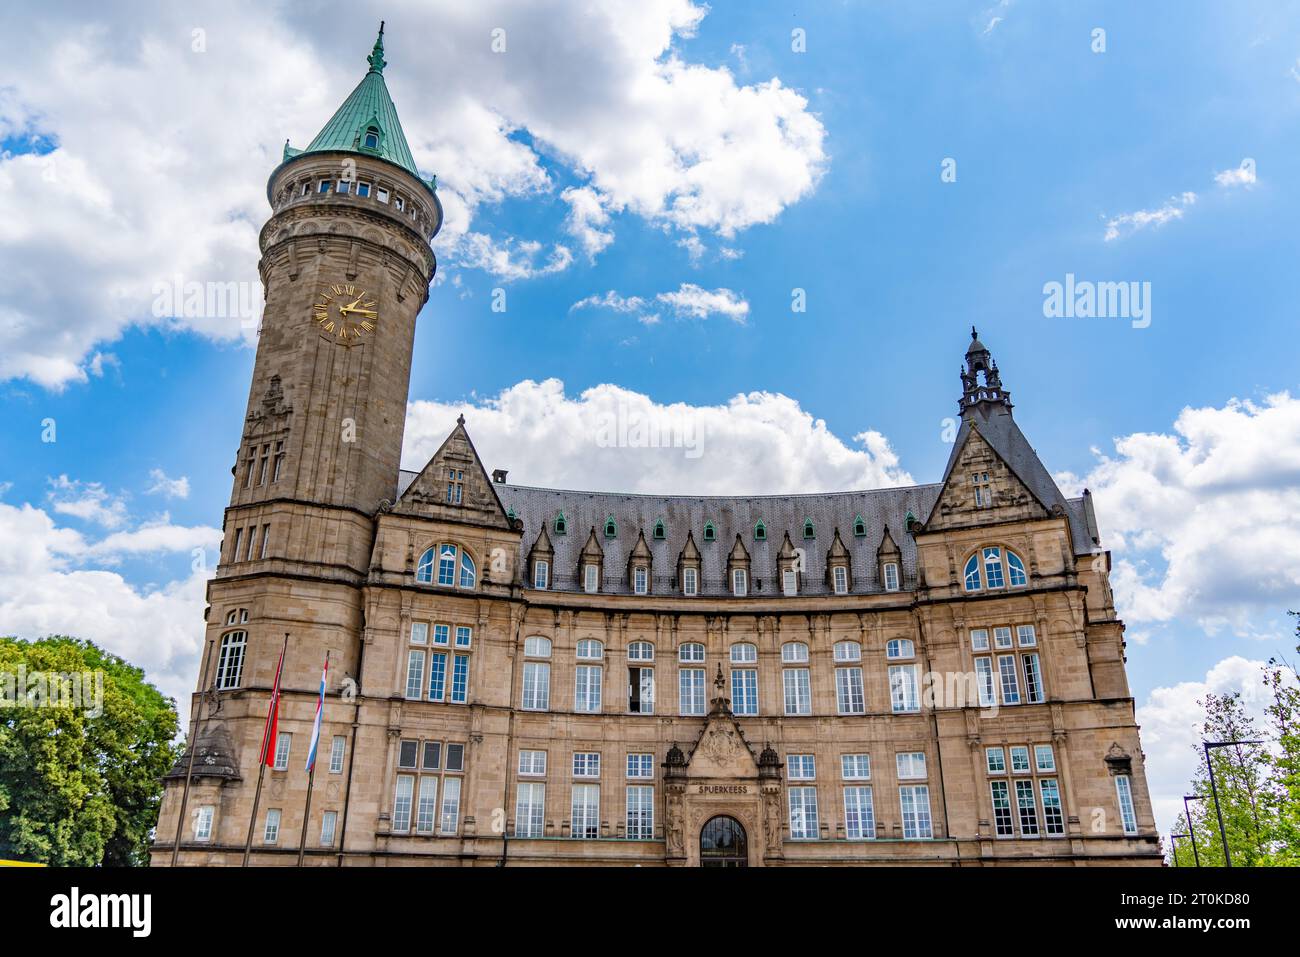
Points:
point(1223, 835)
point(1173, 846)
point(1190, 827)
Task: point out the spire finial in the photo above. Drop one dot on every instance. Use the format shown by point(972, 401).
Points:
point(973, 334)
point(376, 58)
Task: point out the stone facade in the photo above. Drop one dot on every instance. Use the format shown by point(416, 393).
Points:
point(850, 700)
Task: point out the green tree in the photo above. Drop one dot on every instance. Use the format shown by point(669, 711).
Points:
point(1282, 798)
point(78, 788)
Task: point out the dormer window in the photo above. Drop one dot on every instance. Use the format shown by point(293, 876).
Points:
point(841, 578)
point(710, 533)
point(561, 524)
point(611, 528)
point(371, 141)
point(891, 576)
point(659, 534)
point(640, 580)
point(760, 531)
point(808, 530)
point(859, 526)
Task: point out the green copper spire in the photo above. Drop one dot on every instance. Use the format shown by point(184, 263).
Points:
point(367, 121)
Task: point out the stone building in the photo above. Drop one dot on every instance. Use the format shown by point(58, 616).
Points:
point(922, 675)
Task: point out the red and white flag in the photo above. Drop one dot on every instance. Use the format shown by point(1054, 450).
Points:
point(273, 715)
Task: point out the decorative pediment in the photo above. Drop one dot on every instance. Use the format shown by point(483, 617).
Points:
point(455, 487)
point(965, 500)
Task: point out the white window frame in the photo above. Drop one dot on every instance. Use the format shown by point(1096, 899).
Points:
point(914, 805)
point(804, 822)
point(203, 817)
point(840, 576)
point(910, 765)
point(855, 767)
point(691, 695)
point(590, 578)
point(530, 809)
point(1127, 809)
point(796, 686)
point(541, 574)
point(739, 582)
point(690, 581)
point(859, 813)
point(904, 694)
point(271, 828)
point(891, 576)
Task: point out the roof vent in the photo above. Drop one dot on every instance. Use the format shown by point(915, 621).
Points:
point(499, 476)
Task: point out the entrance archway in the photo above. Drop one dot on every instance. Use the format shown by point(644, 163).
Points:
point(723, 843)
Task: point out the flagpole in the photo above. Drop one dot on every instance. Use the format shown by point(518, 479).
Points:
point(311, 775)
point(261, 761)
point(194, 744)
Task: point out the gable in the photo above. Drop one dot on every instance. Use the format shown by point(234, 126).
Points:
point(721, 751)
point(956, 506)
point(474, 502)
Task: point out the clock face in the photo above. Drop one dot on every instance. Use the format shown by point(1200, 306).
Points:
point(346, 313)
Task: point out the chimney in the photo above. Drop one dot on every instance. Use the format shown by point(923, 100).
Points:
point(499, 476)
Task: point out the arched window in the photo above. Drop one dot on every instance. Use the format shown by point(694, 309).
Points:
point(237, 616)
point(710, 533)
point(795, 651)
point(848, 651)
point(899, 648)
point(691, 651)
point(230, 661)
point(972, 573)
point(611, 527)
point(1015, 569)
point(589, 649)
point(659, 533)
point(993, 577)
point(760, 531)
point(372, 139)
point(743, 653)
point(447, 558)
point(808, 530)
point(537, 647)
point(640, 651)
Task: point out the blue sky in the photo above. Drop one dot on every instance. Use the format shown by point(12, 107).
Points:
point(1052, 141)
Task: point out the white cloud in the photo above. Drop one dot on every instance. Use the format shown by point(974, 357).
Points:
point(610, 300)
point(548, 438)
point(160, 151)
point(692, 300)
point(49, 585)
point(1128, 223)
point(1171, 722)
point(1205, 522)
point(1243, 175)
point(88, 501)
point(168, 487)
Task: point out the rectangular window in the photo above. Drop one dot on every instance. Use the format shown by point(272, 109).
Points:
point(803, 813)
point(414, 673)
point(789, 582)
point(1027, 808)
point(1010, 683)
point(841, 575)
point(585, 811)
point(437, 676)
point(328, 821)
point(266, 541)
point(690, 581)
point(996, 759)
point(450, 805)
point(1001, 638)
point(419, 632)
point(460, 678)
point(323, 187)
point(530, 809)
point(739, 582)
point(203, 823)
point(586, 764)
point(586, 688)
point(859, 814)
point(1033, 679)
point(252, 542)
point(541, 575)
point(1127, 814)
point(381, 194)
point(744, 691)
point(343, 187)
point(848, 691)
point(402, 802)
point(1025, 636)
point(983, 489)
point(891, 577)
point(283, 743)
point(442, 635)
point(690, 689)
point(914, 800)
point(640, 580)
point(537, 686)
point(641, 690)
point(464, 636)
point(984, 682)
point(363, 189)
point(271, 833)
point(979, 639)
point(1044, 759)
point(1002, 823)
point(426, 808)
point(640, 812)
point(532, 762)
point(337, 747)
point(800, 767)
point(239, 537)
point(432, 755)
point(910, 764)
point(641, 765)
point(407, 753)
point(590, 578)
point(455, 757)
point(1053, 817)
point(855, 767)
point(903, 695)
point(798, 692)
point(1019, 760)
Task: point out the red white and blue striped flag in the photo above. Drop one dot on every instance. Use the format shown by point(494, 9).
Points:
point(320, 710)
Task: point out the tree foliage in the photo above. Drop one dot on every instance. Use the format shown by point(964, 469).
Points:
point(78, 788)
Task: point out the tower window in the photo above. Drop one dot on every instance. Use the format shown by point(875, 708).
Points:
point(710, 533)
point(611, 528)
point(398, 203)
point(363, 189)
point(381, 194)
point(344, 187)
point(323, 186)
point(659, 533)
point(306, 188)
point(372, 139)
point(760, 531)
